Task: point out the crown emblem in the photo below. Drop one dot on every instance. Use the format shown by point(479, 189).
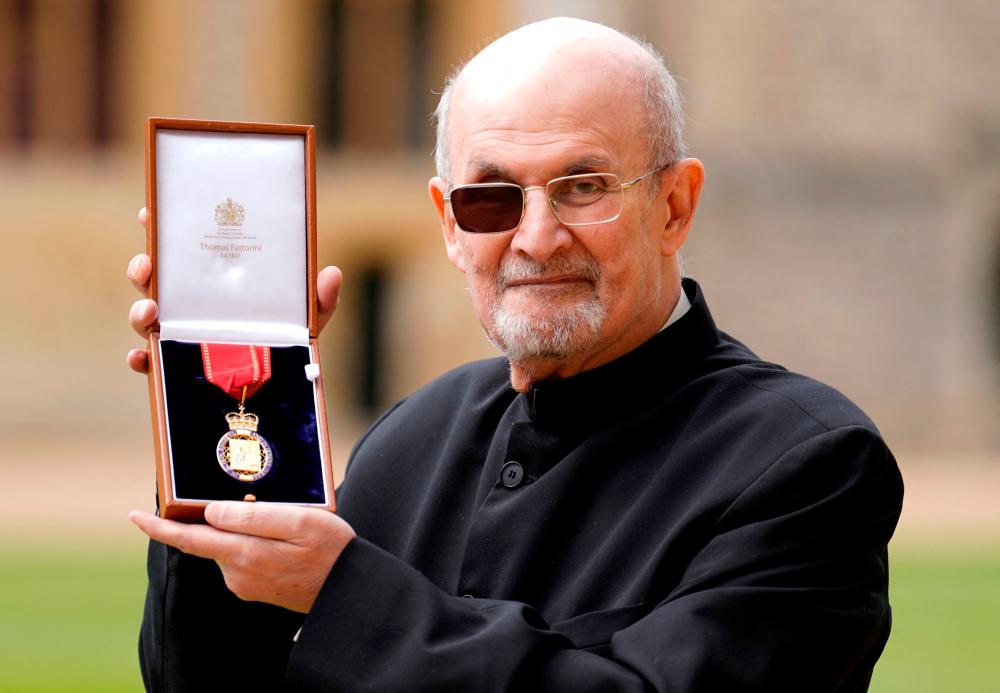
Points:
point(240, 421)
point(229, 213)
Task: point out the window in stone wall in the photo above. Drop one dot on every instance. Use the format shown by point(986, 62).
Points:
point(56, 79)
point(374, 75)
point(369, 384)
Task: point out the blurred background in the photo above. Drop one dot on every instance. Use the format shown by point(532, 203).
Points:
point(849, 229)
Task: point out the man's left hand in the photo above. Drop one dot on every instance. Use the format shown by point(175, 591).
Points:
point(276, 554)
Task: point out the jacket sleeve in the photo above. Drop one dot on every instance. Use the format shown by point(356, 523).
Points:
point(787, 592)
point(197, 635)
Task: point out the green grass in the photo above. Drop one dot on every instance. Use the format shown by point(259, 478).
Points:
point(69, 621)
point(946, 624)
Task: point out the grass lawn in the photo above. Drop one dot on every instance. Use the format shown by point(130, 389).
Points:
point(69, 621)
point(946, 623)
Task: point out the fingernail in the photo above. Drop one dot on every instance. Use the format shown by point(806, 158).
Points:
point(133, 265)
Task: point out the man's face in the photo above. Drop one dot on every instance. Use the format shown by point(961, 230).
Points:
point(545, 290)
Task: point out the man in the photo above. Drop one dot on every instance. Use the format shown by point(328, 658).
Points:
point(630, 501)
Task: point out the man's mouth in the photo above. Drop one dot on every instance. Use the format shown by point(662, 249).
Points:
point(553, 281)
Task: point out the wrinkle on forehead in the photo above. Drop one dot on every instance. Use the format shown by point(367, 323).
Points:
point(533, 158)
point(486, 168)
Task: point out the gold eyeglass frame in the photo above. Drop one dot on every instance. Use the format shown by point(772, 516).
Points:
point(553, 205)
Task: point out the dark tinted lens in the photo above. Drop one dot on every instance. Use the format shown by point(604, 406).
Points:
point(487, 209)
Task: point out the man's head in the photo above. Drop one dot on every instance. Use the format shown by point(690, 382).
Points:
point(553, 99)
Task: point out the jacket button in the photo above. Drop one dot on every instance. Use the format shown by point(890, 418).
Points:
point(511, 474)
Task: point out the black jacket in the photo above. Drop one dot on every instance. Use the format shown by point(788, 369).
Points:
point(686, 518)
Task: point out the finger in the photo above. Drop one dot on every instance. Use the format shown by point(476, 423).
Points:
point(138, 360)
point(142, 316)
point(140, 268)
point(143, 216)
point(197, 540)
point(267, 520)
point(328, 284)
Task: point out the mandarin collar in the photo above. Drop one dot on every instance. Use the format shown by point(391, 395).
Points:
point(633, 381)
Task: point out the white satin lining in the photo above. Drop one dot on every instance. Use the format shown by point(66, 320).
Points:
point(257, 294)
point(235, 332)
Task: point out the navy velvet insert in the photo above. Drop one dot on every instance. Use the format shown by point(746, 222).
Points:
point(287, 409)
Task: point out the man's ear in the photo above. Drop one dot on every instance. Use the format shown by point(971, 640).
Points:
point(438, 188)
point(682, 186)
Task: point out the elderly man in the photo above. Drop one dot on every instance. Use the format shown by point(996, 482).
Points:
point(630, 501)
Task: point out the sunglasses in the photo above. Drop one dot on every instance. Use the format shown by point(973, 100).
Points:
point(579, 200)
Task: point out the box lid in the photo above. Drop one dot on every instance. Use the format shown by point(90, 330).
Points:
point(232, 230)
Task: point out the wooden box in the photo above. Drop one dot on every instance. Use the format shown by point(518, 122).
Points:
point(232, 235)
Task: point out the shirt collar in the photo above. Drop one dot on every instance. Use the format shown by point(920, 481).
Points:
point(683, 305)
point(646, 373)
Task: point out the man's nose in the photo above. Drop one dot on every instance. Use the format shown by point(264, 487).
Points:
point(540, 234)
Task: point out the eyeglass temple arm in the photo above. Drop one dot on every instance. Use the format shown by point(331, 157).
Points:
point(635, 181)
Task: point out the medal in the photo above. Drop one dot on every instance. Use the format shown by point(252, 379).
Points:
point(239, 371)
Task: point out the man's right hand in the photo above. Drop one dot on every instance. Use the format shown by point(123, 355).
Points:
point(143, 314)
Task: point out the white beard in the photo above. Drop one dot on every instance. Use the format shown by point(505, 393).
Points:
point(559, 335)
point(567, 334)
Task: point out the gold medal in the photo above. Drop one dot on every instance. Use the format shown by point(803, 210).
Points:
point(243, 453)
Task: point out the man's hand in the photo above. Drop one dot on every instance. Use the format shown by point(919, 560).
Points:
point(143, 313)
point(276, 554)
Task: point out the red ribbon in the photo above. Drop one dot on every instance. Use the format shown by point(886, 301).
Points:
point(232, 367)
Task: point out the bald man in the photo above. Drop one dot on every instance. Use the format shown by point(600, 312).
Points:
point(631, 500)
